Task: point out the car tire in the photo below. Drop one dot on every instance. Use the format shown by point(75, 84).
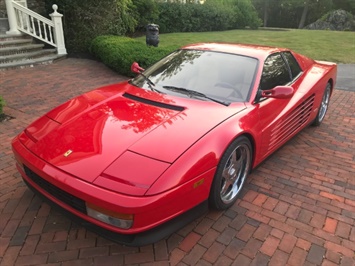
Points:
point(231, 174)
point(323, 106)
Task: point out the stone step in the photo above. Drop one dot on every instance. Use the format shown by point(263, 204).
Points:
point(5, 37)
point(15, 42)
point(29, 55)
point(20, 49)
point(49, 59)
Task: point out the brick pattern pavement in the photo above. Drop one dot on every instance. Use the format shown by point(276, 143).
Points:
point(297, 208)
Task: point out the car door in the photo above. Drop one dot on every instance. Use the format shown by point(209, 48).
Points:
point(276, 116)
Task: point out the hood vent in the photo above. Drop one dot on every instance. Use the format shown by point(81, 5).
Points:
point(154, 103)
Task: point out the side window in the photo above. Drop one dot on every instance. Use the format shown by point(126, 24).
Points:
point(275, 72)
point(292, 62)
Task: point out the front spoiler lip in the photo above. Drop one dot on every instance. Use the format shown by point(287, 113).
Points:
point(138, 239)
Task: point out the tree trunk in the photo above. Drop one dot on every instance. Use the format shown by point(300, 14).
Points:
point(266, 12)
point(304, 15)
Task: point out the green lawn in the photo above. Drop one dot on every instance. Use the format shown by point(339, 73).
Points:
point(321, 45)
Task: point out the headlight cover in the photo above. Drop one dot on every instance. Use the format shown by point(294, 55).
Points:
point(131, 174)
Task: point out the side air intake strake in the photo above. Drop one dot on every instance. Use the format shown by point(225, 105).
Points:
point(296, 119)
point(154, 103)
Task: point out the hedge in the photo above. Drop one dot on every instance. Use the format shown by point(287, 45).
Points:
point(118, 53)
point(2, 104)
point(211, 16)
point(85, 20)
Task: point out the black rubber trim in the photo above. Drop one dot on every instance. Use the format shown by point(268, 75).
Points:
point(136, 240)
point(154, 103)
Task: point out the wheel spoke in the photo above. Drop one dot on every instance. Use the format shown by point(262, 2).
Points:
point(227, 184)
point(234, 173)
point(239, 161)
point(324, 104)
point(233, 159)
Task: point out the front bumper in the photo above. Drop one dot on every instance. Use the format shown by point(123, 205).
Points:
point(155, 217)
point(138, 239)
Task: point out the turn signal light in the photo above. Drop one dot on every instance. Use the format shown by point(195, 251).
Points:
point(120, 220)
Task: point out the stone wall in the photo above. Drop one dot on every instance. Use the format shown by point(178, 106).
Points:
point(339, 20)
point(35, 5)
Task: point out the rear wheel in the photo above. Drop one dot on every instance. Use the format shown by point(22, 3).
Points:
point(323, 106)
point(231, 174)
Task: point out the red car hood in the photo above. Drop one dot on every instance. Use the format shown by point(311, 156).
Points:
point(86, 134)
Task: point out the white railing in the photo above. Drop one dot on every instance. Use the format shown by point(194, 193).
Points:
point(22, 19)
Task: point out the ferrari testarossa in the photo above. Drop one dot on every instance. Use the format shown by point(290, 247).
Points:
point(137, 160)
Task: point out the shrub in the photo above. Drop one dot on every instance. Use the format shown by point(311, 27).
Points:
point(85, 20)
point(2, 104)
point(248, 15)
point(175, 17)
point(119, 53)
point(145, 12)
point(214, 15)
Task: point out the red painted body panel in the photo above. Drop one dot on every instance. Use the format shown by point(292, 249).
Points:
point(136, 151)
point(99, 135)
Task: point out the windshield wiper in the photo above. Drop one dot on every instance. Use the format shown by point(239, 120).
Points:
point(195, 93)
point(150, 83)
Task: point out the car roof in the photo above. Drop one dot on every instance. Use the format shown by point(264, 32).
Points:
point(258, 51)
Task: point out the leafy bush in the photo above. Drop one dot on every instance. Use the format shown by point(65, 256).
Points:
point(248, 15)
point(84, 20)
point(288, 14)
point(2, 104)
point(145, 12)
point(214, 15)
point(119, 53)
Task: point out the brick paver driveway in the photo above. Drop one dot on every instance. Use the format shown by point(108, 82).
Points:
point(298, 207)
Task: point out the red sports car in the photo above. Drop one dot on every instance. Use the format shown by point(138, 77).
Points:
point(137, 160)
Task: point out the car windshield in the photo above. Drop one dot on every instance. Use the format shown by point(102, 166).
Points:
point(220, 76)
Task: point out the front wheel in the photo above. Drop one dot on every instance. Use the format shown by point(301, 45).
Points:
point(323, 106)
point(231, 174)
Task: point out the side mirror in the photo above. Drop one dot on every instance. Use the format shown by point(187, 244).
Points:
point(279, 92)
point(135, 68)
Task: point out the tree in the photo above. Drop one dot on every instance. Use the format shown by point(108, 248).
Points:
point(145, 12)
point(266, 12)
point(347, 5)
point(318, 7)
point(304, 14)
point(84, 20)
point(292, 13)
point(262, 6)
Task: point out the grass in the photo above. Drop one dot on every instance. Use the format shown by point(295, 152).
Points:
point(332, 46)
point(2, 104)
